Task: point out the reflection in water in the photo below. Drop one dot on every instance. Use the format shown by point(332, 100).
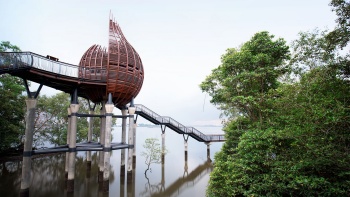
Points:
point(183, 183)
point(172, 177)
point(48, 177)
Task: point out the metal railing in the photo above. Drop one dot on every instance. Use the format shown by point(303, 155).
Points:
point(165, 120)
point(18, 60)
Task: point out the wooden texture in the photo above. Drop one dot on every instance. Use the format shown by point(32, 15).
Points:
point(120, 67)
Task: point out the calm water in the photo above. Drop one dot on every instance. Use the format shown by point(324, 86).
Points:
point(174, 178)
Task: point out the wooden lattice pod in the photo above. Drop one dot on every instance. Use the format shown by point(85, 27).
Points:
point(120, 67)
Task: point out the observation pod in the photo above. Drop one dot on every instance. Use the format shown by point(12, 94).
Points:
point(120, 67)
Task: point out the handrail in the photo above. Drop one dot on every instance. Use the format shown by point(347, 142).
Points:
point(15, 60)
point(165, 120)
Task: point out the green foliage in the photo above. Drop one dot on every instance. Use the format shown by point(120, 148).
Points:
point(303, 146)
point(339, 37)
point(239, 86)
point(6, 46)
point(304, 152)
point(12, 107)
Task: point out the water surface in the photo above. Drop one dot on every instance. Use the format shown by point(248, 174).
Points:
point(173, 178)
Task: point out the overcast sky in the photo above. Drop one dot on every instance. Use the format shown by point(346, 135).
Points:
point(179, 42)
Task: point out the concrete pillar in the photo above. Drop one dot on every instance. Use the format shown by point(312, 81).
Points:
point(89, 139)
point(68, 137)
point(122, 157)
point(130, 142)
point(208, 151)
point(134, 141)
point(186, 147)
point(72, 147)
point(107, 145)
point(91, 125)
point(102, 142)
point(28, 145)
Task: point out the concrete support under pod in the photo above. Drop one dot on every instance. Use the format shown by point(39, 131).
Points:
point(130, 142)
point(107, 145)
point(134, 127)
point(124, 112)
point(89, 137)
point(102, 142)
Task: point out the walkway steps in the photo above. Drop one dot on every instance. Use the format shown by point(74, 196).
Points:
point(179, 128)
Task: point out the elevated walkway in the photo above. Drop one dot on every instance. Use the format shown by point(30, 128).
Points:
point(176, 126)
point(52, 73)
point(65, 77)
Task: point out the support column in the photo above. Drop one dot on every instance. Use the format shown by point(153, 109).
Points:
point(91, 124)
point(28, 145)
point(122, 157)
point(163, 142)
point(208, 151)
point(130, 141)
point(186, 145)
point(134, 141)
point(89, 137)
point(107, 145)
point(163, 127)
point(68, 137)
point(186, 148)
point(102, 142)
point(72, 144)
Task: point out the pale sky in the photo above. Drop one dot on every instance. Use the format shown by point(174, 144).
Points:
point(179, 42)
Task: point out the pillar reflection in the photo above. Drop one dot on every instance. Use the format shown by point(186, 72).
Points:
point(122, 181)
point(102, 142)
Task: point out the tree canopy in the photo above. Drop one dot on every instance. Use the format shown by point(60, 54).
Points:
point(300, 144)
point(241, 84)
point(12, 107)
